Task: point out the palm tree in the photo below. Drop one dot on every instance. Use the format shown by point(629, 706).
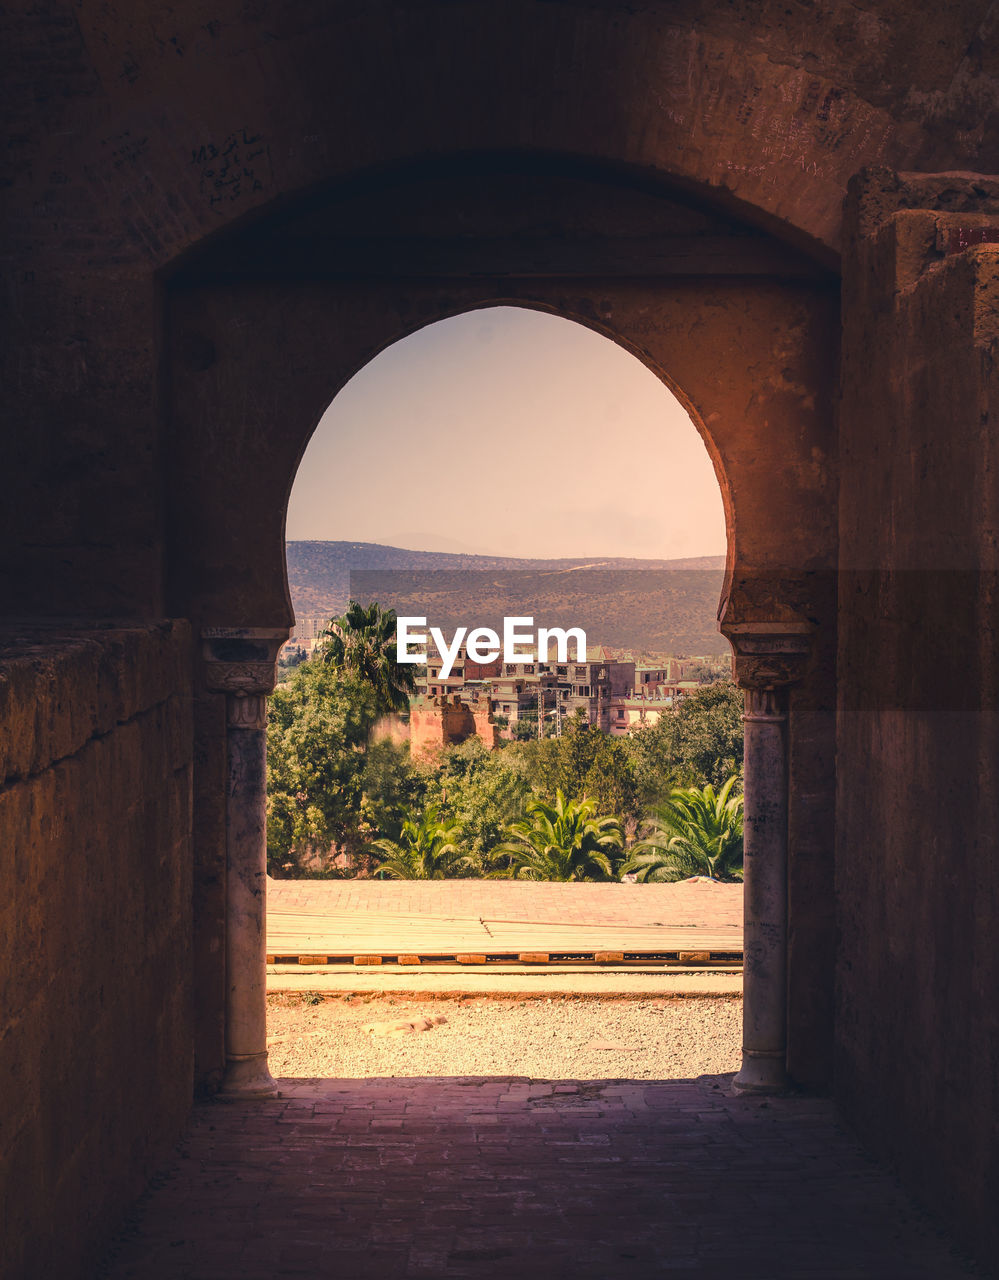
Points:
point(698, 833)
point(562, 841)
point(427, 849)
point(363, 641)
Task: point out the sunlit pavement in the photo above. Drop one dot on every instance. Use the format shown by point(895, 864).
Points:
point(697, 902)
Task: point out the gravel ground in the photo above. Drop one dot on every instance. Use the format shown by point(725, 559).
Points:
point(543, 1039)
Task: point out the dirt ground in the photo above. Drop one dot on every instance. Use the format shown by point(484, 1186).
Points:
point(546, 1039)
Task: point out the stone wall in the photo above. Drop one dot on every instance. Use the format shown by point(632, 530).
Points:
point(154, 439)
point(95, 932)
point(918, 734)
point(435, 723)
point(117, 120)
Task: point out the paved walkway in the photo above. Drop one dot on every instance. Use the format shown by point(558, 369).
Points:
point(480, 921)
point(695, 903)
point(514, 1180)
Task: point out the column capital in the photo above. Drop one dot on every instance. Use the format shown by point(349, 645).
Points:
point(770, 655)
point(241, 660)
point(246, 711)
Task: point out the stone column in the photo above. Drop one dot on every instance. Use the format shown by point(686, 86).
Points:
point(240, 662)
point(764, 1009)
point(769, 659)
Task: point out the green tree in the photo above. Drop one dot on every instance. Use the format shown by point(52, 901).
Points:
point(586, 763)
point(696, 833)
point(317, 729)
point(696, 742)
point(427, 849)
point(482, 790)
point(709, 672)
point(362, 641)
point(291, 659)
point(562, 841)
point(392, 788)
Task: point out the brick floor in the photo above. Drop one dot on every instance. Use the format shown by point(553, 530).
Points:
point(694, 903)
point(509, 1178)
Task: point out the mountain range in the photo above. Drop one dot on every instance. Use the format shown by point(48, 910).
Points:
point(645, 606)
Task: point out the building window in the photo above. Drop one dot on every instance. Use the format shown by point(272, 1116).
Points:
point(620, 713)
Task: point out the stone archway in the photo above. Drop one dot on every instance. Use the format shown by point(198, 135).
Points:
point(266, 327)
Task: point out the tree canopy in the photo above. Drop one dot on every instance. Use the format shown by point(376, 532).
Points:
point(558, 808)
point(696, 742)
point(362, 642)
point(585, 762)
point(482, 790)
point(318, 727)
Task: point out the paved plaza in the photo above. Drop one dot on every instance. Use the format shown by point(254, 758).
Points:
point(517, 1180)
point(695, 903)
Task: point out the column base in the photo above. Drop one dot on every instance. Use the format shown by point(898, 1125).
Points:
point(761, 1073)
point(247, 1079)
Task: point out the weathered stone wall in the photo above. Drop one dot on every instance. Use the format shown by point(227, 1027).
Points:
point(435, 723)
point(917, 878)
point(137, 136)
point(486, 728)
point(142, 134)
point(96, 1059)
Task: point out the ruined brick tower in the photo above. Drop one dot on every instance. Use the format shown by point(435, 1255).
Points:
point(447, 721)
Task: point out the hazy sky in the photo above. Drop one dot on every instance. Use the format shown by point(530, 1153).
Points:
point(509, 432)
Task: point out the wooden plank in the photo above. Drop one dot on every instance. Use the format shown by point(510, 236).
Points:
point(658, 960)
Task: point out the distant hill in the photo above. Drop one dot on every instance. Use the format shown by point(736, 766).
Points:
point(648, 606)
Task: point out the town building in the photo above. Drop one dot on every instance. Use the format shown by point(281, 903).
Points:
point(516, 689)
point(635, 710)
point(305, 636)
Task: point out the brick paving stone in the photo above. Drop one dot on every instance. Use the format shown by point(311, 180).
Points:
point(588, 1180)
point(688, 903)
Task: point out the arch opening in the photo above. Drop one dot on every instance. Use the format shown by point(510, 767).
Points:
point(507, 460)
point(260, 347)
